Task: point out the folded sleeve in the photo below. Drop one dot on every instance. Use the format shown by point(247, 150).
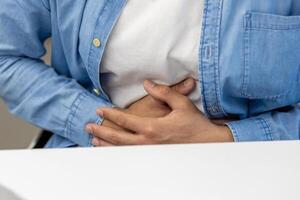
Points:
point(32, 90)
point(270, 126)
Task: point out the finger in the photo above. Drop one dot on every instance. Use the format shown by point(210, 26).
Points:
point(123, 119)
point(164, 93)
point(110, 124)
point(101, 143)
point(185, 87)
point(113, 136)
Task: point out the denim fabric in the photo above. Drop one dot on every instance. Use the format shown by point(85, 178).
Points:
point(248, 59)
point(256, 67)
point(60, 97)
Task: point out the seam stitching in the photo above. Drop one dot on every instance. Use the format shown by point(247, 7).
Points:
point(266, 128)
point(44, 4)
point(74, 108)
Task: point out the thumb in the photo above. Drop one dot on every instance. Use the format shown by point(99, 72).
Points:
point(185, 87)
point(165, 94)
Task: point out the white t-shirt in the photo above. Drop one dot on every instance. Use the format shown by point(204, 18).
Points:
point(153, 39)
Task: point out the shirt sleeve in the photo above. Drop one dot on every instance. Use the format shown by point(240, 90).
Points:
point(32, 90)
point(270, 126)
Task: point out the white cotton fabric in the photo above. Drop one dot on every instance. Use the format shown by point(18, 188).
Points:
point(153, 39)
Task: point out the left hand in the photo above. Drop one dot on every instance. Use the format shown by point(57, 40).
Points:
point(184, 124)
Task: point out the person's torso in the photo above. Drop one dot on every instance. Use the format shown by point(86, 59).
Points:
point(248, 55)
point(157, 40)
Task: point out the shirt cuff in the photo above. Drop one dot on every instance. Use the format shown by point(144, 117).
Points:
point(251, 129)
point(83, 111)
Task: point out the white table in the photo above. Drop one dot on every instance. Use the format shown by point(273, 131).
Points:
point(246, 171)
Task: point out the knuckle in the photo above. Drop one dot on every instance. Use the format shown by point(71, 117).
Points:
point(120, 121)
point(115, 139)
point(164, 90)
point(149, 130)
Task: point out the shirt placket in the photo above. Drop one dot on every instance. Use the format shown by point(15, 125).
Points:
point(209, 58)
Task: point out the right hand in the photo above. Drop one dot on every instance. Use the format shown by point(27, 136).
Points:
point(149, 107)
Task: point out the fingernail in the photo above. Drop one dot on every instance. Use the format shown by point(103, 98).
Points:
point(95, 142)
point(149, 84)
point(188, 82)
point(99, 112)
point(88, 129)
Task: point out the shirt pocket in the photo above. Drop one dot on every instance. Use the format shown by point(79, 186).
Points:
point(271, 55)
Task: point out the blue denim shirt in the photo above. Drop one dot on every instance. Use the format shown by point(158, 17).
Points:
point(248, 58)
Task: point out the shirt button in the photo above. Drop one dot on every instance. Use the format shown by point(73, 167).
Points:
point(97, 91)
point(96, 42)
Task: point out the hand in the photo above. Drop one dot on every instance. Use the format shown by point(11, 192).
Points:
point(152, 107)
point(148, 107)
point(184, 124)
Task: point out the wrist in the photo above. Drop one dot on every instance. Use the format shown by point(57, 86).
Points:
point(225, 134)
point(215, 133)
